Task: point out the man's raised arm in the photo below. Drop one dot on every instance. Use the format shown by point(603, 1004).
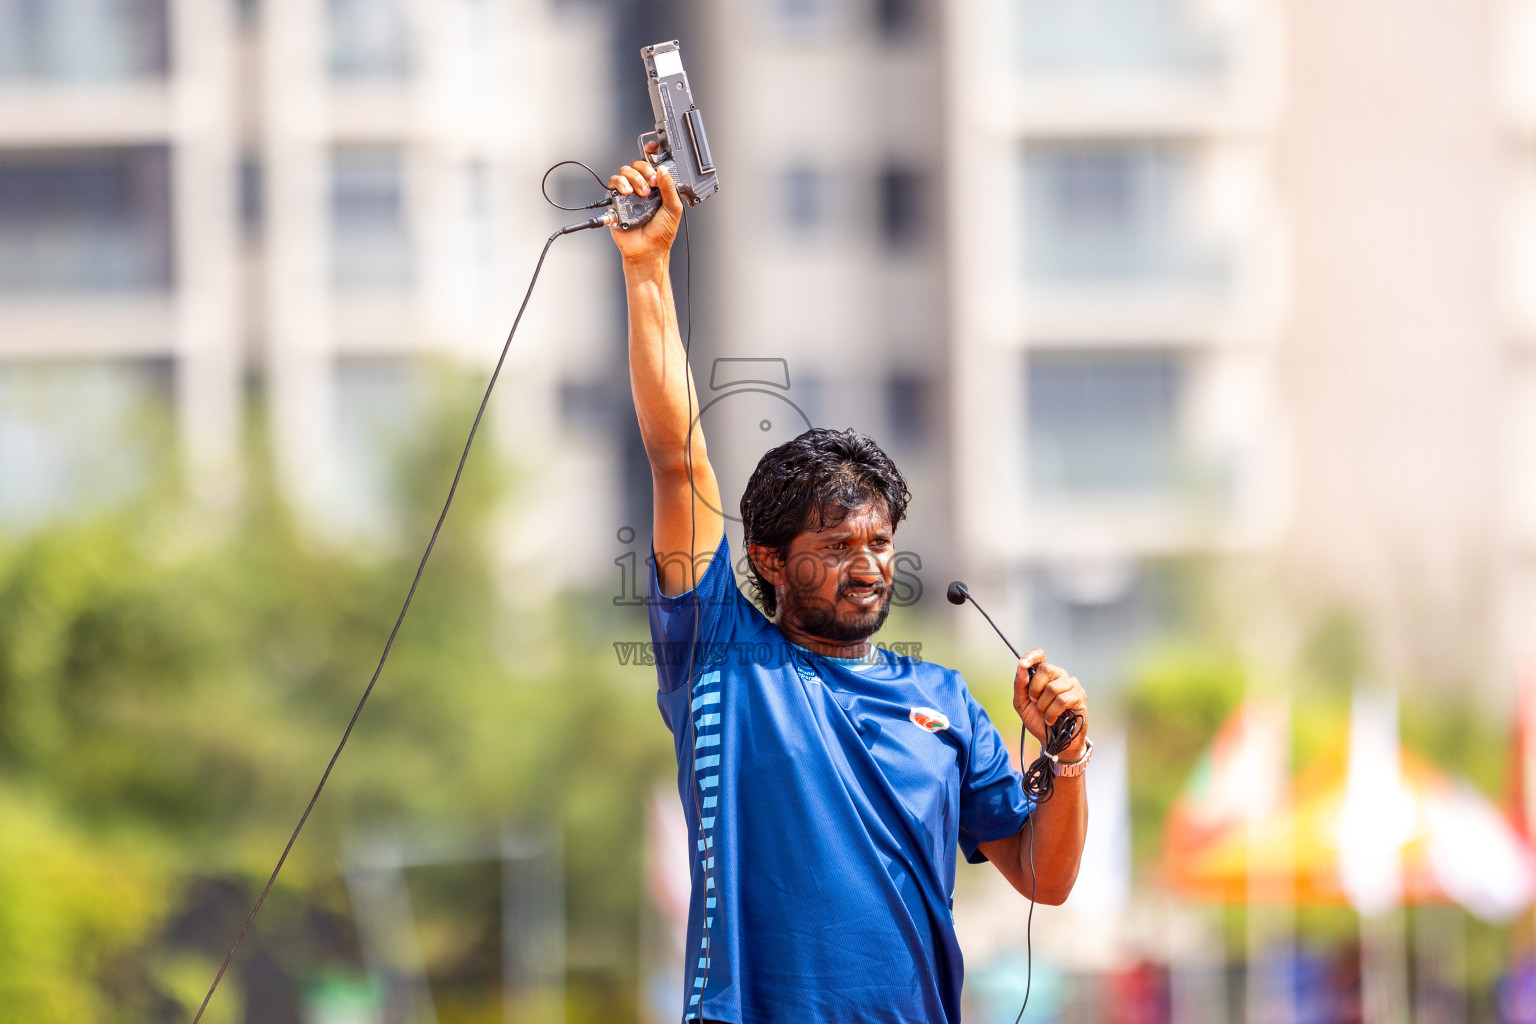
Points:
point(686, 496)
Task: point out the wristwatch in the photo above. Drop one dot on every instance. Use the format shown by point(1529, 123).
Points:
point(1072, 768)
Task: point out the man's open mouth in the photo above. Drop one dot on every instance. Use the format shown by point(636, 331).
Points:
point(863, 596)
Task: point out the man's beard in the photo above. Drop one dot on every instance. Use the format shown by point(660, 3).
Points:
point(845, 628)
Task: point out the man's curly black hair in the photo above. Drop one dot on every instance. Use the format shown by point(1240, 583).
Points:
point(811, 483)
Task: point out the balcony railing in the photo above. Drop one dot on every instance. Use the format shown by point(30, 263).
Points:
point(1106, 422)
point(1114, 212)
point(54, 418)
point(82, 41)
point(372, 244)
point(370, 40)
point(1073, 37)
point(85, 220)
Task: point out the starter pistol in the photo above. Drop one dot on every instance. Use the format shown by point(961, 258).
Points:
point(681, 147)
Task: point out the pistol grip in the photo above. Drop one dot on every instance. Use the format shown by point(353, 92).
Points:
point(634, 210)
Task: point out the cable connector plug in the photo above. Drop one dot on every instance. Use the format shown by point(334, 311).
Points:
point(602, 220)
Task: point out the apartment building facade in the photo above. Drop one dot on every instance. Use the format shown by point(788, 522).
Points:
point(827, 248)
point(1118, 276)
point(1260, 290)
point(325, 195)
point(1118, 283)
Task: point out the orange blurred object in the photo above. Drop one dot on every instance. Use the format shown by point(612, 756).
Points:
point(1455, 845)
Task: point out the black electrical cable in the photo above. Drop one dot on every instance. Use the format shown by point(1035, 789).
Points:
point(707, 851)
point(411, 593)
point(1039, 787)
point(1039, 779)
point(691, 733)
point(544, 181)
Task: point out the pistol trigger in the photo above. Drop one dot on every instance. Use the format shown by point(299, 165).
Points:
point(646, 139)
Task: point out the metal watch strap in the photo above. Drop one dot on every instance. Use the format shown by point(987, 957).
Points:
point(1075, 767)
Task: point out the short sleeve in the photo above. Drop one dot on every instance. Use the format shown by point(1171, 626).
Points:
point(992, 801)
point(718, 609)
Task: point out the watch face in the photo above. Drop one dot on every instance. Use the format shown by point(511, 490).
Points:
point(739, 425)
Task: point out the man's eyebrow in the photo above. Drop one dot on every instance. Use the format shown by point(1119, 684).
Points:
point(838, 533)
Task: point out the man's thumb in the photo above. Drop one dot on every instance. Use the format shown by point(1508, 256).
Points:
point(669, 194)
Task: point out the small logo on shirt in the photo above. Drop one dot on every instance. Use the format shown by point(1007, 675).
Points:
point(929, 719)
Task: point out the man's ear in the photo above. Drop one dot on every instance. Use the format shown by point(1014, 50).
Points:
point(768, 563)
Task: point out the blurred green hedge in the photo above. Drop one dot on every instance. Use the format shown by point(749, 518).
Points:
point(173, 681)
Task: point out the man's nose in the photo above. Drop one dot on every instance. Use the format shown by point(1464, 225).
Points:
point(865, 566)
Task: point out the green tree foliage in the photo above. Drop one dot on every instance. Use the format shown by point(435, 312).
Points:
point(1173, 709)
point(172, 685)
point(68, 906)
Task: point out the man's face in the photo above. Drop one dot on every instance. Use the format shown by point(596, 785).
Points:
point(836, 581)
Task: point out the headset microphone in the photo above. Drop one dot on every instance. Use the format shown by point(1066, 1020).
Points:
point(958, 593)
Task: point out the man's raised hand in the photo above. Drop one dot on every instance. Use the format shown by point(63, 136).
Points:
point(653, 239)
point(685, 492)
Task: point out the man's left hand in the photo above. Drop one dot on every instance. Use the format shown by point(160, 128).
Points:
point(1041, 700)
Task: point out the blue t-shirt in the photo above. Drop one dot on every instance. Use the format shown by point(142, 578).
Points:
point(825, 800)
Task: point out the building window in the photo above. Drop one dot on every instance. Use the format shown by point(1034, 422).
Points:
point(252, 196)
point(85, 220)
point(901, 206)
point(801, 13)
point(1111, 210)
point(478, 230)
point(370, 224)
point(587, 405)
point(1134, 36)
point(380, 407)
point(370, 39)
point(897, 18)
point(1097, 616)
point(77, 437)
point(1105, 422)
point(813, 21)
point(804, 198)
point(83, 40)
point(908, 402)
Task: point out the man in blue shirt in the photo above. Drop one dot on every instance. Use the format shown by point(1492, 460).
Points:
point(827, 783)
